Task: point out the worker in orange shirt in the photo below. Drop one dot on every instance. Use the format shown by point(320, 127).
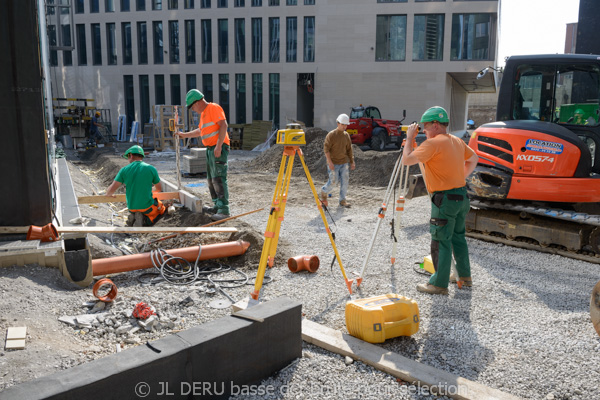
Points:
point(213, 132)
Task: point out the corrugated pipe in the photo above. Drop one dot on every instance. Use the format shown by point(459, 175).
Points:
point(104, 266)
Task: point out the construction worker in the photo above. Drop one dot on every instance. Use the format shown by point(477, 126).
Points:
point(213, 131)
point(138, 178)
point(94, 132)
point(340, 160)
point(447, 161)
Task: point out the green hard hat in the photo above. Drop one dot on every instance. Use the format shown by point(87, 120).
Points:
point(134, 150)
point(435, 113)
point(579, 111)
point(193, 96)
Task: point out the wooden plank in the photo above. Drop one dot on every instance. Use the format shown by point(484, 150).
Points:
point(124, 229)
point(396, 365)
point(120, 198)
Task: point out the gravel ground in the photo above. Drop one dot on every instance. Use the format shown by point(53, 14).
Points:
point(524, 327)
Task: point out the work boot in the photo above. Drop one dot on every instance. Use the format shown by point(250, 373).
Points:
point(324, 198)
point(468, 282)
point(431, 289)
point(219, 216)
point(344, 203)
point(209, 209)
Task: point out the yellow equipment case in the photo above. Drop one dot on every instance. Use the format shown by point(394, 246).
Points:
point(382, 317)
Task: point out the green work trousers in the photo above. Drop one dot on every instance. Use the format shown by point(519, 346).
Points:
point(216, 178)
point(447, 227)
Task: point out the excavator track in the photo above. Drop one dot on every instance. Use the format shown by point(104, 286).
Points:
point(566, 233)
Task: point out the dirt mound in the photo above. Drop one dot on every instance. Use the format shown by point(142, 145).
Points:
point(372, 168)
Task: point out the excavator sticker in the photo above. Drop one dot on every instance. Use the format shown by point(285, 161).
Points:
point(523, 157)
point(543, 146)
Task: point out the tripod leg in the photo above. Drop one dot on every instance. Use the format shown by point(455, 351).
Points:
point(318, 201)
point(271, 227)
point(399, 208)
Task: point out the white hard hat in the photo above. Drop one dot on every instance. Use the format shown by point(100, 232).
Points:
point(343, 119)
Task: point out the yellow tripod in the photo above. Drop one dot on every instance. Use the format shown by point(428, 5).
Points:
point(291, 138)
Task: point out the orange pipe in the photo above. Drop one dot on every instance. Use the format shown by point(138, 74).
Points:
point(104, 266)
point(303, 263)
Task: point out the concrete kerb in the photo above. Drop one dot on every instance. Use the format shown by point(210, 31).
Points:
point(190, 201)
point(207, 361)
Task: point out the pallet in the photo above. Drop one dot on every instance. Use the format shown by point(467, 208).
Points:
point(235, 144)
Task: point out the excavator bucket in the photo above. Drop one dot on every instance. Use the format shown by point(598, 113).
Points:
point(416, 187)
point(595, 307)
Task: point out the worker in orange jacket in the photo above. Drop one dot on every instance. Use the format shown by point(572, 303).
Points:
point(213, 132)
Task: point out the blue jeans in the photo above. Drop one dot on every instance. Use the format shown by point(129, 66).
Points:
point(341, 173)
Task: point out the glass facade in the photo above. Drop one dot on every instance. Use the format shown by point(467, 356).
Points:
point(274, 39)
point(94, 6)
point(157, 35)
point(190, 41)
point(206, 41)
point(472, 36)
point(190, 82)
point(140, 5)
point(159, 89)
point(81, 45)
point(390, 38)
point(428, 37)
point(126, 41)
point(109, 5)
point(174, 42)
point(240, 98)
point(309, 39)
point(207, 87)
point(257, 40)
point(223, 41)
point(142, 37)
point(291, 39)
point(274, 98)
point(224, 93)
point(257, 97)
point(156, 5)
point(125, 5)
point(96, 45)
point(175, 89)
point(144, 100)
point(240, 40)
point(111, 45)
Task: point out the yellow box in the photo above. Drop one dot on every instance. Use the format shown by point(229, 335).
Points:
point(382, 317)
point(428, 265)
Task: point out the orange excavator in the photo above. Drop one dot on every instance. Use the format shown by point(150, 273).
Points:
point(537, 183)
point(538, 178)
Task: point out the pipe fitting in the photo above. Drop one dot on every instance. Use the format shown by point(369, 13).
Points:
point(303, 263)
point(112, 293)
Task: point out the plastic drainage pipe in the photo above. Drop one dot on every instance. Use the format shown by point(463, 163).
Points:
point(104, 266)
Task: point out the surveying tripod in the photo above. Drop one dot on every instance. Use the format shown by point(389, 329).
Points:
point(291, 138)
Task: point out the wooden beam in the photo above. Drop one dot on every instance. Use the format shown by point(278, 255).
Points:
point(124, 229)
point(120, 198)
point(396, 365)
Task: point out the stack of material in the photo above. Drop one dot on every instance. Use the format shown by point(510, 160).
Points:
point(163, 137)
point(195, 163)
point(255, 134)
point(235, 135)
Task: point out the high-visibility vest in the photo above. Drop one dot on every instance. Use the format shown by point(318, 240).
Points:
point(209, 127)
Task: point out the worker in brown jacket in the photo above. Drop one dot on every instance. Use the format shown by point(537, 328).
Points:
point(340, 160)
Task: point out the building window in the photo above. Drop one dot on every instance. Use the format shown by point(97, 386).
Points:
point(157, 34)
point(274, 39)
point(257, 97)
point(434, 0)
point(188, 4)
point(190, 41)
point(274, 99)
point(126, 39)
point(273, 2)
point(129, 99)
point(291, 2)
point(66, 42)
point(125, 6)
point(94, 6)
point(390, 38)
point(257, 40)
point(157, 5)
point(309, 39)
point(223, 39)
point(224, 93)
point(206, 41)
point(221, 3)
point(428, 37)
point(109, 5)
point(190, 82)
point(81, 45)
point(309, 2)
point(96, 45)
point(291, 39)
point(239, 3)
point(140, 5)
point(472, 36)
point(240, 98)
point(205, 4)
point(174, 42)
point(142, 43)
point(394, 1)
point(144, 99)
point(256, 3)
point(240, 40)
point(111, 45)
point(207, 87)
point(52, 41)
point(79, 6)
point(159, 89)
point(173, 4)
point(175, 90)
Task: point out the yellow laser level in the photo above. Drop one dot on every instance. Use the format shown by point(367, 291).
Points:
point(293, 135)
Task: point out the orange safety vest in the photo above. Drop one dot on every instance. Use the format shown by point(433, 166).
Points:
point(209, 127)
